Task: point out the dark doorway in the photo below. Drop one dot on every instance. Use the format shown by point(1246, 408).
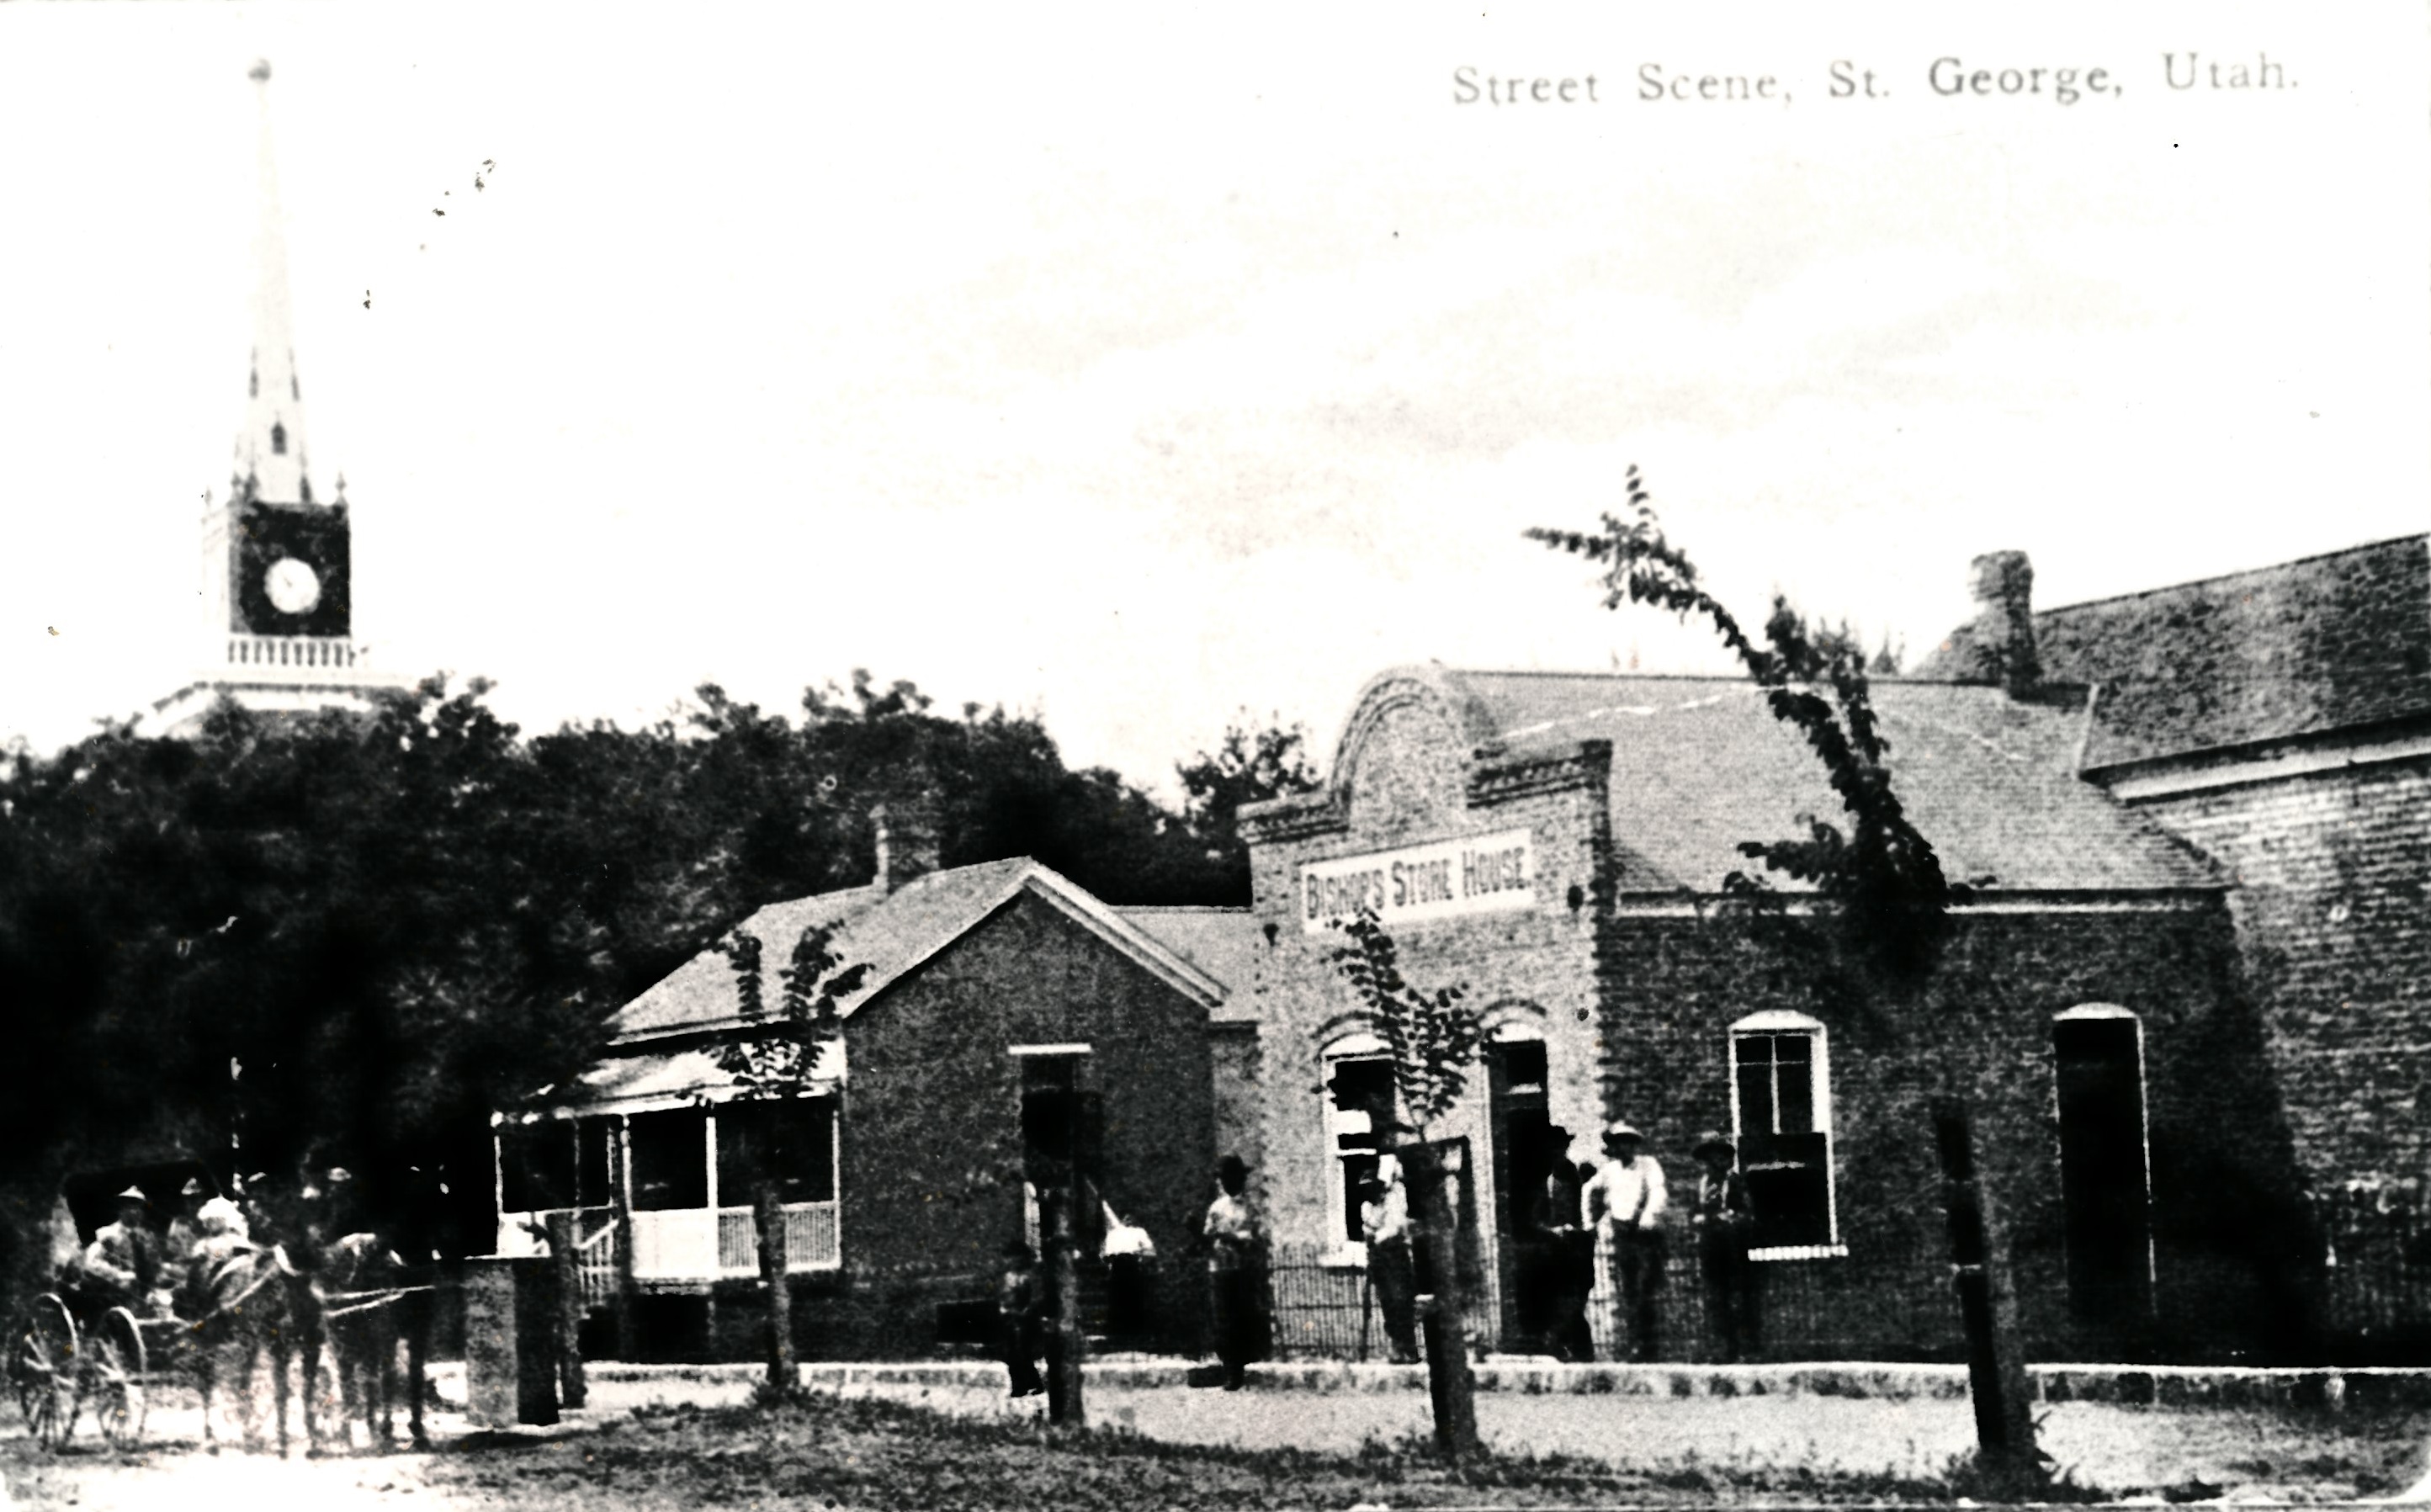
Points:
point(1515, 1071)
point(2105, 1186)
point(1063, 1123)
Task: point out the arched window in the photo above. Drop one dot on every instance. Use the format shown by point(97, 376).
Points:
point(278, 439)
point(1358, 1100)
point(1781, 1114)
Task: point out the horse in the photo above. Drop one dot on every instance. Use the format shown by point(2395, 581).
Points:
point(242, 1302)
point(358, 1289)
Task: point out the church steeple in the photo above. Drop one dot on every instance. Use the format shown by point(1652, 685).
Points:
point(270, 462)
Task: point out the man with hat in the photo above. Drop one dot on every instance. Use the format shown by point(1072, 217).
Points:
point(1624, 1202)
point(185, 1235)
point(1724, 1221)
point(122, 1266)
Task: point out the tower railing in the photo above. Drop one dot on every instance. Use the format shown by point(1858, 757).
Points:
point(290, 650)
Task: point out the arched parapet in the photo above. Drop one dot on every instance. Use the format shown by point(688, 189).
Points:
point(1404, 754)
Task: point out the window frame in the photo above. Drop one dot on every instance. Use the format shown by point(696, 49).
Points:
point(1339, 1249)
point(1776, 1022)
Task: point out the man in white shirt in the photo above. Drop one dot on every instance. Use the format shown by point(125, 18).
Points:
point(1624, 1202)
point(1385, 1221)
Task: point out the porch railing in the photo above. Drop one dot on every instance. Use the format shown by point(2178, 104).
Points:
point(700, 1244)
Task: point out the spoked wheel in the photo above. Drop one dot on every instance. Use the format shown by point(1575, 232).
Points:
point(42, 1369)
point(114, 1379)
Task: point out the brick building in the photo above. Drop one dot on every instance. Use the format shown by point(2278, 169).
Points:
point(1558, 844)
point(989, 987)
point(2280, 722)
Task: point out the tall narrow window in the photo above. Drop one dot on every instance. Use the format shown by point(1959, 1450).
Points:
point(278, 439)
point(1781, 1108)
point(2105, 1185)
point(1358, 1102)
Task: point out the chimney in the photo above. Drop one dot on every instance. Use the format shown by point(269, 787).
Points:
point(2003, 583)
point(907, 840)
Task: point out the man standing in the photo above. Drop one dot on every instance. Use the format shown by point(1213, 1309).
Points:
point(1724, 1220)
point(1235, 1272)
point(1624, 1203)
point(1020, 1315)
point(1384, 1218)
point(1563, 1261)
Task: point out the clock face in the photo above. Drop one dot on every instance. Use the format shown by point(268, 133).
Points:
point(294, 586)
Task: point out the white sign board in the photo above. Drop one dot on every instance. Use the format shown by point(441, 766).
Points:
point(1445, 879)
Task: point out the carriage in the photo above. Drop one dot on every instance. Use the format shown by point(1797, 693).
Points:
point(58, 1369)
point(70, 1353)
point(65, 1359)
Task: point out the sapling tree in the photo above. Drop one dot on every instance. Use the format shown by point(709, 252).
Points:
point(1870, 915)
point(772, 1063)
point(1432, 1039)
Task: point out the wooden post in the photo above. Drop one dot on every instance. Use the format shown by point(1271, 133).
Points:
point(620, 1164)
point(1059, 1235)
point(1988, 1305)
point(565, 1254)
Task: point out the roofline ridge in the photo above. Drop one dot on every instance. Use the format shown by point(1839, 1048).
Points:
point(1549, 672)
point(2242, 572)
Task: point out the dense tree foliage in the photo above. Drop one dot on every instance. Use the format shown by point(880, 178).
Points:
point(1250, 765)
point(351, 935)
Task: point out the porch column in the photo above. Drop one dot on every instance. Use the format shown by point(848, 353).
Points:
point(620, 1187)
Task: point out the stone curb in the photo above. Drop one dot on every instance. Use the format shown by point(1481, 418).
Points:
point(2134, 1385)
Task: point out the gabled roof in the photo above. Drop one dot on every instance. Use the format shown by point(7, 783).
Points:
point(1699, 765)
point(891, 934)
point(1222, 942)
point(2305, 647)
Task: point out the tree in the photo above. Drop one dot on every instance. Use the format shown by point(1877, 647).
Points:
point(1247, 767)
point(773, 1063)
point(1876, 915)
point(1430, 1040)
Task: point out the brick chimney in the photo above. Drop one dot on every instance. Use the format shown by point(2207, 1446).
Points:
point(907, 840)
point(2003, 583)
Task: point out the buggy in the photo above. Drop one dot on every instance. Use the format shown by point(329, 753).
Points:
point(68, 1351)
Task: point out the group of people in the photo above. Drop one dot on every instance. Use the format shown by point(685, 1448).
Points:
point(1592, 1217)
point(265, 1270)
point(151, 1274)
point(1608, 1216)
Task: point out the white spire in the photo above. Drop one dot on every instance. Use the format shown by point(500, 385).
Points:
point(270, 448)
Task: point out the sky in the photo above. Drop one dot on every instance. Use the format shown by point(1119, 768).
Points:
point(1139, 367)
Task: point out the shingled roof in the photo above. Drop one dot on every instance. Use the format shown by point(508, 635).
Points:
point(1222, 942)
point(891, 934)
point(2334, 642)
point(1699, 765)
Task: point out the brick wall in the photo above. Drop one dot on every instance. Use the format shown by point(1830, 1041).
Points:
point(2227, 1231)
point(930, 1135)
point(1406, 778)
point(1239, 1109)
point(2332, 905)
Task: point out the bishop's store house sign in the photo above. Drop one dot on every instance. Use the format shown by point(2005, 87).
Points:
point(1446, 879)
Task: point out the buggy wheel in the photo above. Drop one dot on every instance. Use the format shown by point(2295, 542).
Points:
point(114, 1379)
point(41, 1368)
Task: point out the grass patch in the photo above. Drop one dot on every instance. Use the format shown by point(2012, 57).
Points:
point(860, 1453)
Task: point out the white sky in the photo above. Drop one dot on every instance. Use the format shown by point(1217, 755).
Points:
point(1135, 367)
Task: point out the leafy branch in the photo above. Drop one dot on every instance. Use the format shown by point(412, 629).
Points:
point(1879, 876)
point(779, 1062)
point(1433, 1037)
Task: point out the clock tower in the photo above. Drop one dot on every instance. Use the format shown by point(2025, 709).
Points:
point(278, 585)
